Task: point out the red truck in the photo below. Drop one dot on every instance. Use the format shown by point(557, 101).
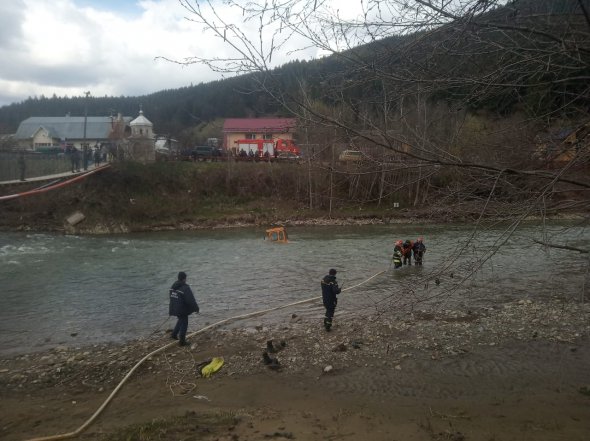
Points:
point(274, 147)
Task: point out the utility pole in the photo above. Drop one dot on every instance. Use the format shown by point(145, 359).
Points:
point(85, 144)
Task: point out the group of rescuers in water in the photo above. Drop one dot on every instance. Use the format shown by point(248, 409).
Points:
point(402, 255)
point(183, 302)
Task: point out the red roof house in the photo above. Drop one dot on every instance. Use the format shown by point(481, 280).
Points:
point(257, 128)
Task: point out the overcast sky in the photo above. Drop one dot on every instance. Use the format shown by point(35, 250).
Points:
point(107, 47)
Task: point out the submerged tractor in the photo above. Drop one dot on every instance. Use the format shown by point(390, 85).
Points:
point(277, 234)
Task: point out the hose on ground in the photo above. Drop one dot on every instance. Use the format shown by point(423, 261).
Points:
point(90, 420)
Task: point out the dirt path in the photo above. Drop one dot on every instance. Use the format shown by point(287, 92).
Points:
point(424, 377)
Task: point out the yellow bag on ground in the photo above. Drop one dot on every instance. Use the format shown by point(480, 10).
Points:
point(212, 367)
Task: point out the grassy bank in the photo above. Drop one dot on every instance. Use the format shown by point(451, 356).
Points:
point(135, 197)
point(183, 195)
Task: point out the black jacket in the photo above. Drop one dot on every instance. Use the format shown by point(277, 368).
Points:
point(182, 300)
point(330, 286)
point(419, 247)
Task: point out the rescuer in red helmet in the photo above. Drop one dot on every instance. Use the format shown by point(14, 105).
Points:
point(397, 254)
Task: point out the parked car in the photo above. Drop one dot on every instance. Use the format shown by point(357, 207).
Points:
point(350, 156)
point(206, 150)
point(203, 152)
point(288, 156)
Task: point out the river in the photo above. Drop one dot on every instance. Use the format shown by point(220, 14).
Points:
point(80, 290)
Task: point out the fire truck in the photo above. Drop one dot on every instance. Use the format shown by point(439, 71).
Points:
point(274, 147)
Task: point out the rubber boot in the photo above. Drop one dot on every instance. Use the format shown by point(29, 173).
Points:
point(327, 323)
point(269, 346)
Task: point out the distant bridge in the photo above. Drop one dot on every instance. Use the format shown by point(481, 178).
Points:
point(52, 182)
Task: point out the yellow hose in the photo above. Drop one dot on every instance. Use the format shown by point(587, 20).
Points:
point(95, 415)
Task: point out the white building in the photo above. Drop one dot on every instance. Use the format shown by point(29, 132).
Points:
point(141, 145)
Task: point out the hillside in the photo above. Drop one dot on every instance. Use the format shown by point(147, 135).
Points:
point(497, 68)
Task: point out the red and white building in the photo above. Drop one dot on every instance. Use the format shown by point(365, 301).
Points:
point(235, 129)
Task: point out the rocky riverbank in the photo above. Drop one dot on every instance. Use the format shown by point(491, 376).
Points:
point(130, 197)
point(452, 360)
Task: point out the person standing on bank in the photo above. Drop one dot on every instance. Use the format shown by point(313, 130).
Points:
point(182, 304)
point(330, 290)
point(21, 165)
point(75, 160)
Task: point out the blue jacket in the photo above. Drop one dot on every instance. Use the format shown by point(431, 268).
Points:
point(182, 300)
point(330, 286)
point(419, 247)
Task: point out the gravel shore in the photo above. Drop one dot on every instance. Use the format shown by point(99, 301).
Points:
point(424, 354)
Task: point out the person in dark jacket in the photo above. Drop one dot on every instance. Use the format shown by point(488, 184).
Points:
point(182, 304)
point(21, 165)
point(330, 290)
point(419, 250)
point(75, 159)
point(407, 252)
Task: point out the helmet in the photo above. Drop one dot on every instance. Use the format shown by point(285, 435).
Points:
point(332, 272)
point(399, 243)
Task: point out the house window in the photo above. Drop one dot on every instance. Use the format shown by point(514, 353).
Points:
point(267, 136)
point(250, 135)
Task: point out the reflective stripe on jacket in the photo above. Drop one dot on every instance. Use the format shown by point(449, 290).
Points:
point(397, 254)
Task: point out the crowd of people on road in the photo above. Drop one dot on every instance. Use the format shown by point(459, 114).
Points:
point(255, 155)
point(82, 158)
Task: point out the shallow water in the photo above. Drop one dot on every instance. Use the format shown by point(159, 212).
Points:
point(114, 288)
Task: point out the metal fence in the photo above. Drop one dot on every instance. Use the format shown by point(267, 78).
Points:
point(35, 164)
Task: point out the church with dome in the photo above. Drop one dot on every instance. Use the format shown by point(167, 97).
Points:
point(141, 144)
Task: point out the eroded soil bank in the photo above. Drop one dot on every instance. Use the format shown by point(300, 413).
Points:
point(514, 371)
point(131, 197)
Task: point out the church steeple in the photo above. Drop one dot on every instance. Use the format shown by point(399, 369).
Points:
point(141, 126)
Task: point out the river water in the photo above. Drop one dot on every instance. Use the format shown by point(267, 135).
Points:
point(79, 290)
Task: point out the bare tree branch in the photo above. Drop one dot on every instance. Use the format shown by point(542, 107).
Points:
point(562, 247)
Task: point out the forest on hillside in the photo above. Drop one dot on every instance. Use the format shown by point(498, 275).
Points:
point(521, 60)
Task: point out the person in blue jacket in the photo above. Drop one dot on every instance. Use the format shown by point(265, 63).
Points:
point(182, 304)
point(419, 250)
point(330, 290)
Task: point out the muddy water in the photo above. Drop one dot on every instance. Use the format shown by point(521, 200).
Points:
point(77, 290)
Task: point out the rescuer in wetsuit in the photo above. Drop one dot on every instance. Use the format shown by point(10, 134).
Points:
point(330, 290)
point(397, 254)
point(407, 252)
point(419, 250)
